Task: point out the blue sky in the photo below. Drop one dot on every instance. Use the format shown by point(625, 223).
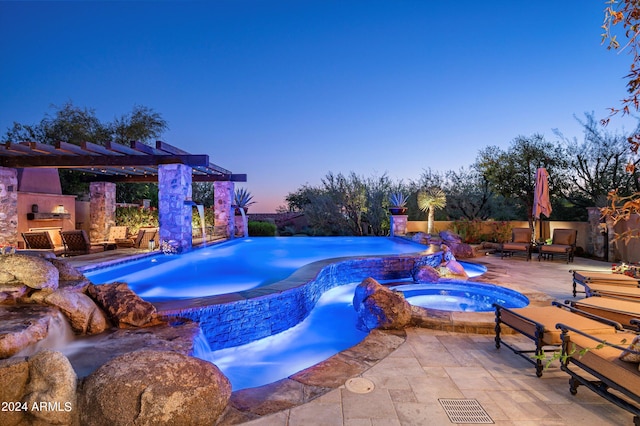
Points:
point(287, 91)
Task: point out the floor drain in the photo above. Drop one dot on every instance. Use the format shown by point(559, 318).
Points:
point(465, 411)
point(359, 385)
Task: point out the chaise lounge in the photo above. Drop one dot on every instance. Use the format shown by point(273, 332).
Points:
point(77, 243)
point(623, 311)
point(40, 240)
point(589, 278)
point(539, 325)
point(606, 363)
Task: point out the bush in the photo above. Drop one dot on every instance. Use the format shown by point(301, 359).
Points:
point(261, 229)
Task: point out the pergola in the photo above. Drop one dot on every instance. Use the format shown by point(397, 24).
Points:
point(105, 165)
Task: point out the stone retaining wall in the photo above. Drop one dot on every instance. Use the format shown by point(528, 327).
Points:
point(284, 304)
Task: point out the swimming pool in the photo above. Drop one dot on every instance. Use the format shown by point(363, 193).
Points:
point(239, 265)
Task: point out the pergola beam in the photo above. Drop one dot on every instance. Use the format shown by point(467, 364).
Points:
point(100, 161)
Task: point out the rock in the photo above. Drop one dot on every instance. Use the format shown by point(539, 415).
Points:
point(453, 269)
point(52, 382)
point(34, 272)
point(379, 307)
point(421, 238)
point(84, 315)
point(123, 307)
point(450, 237)
point(21, 326)
point(6, 278)
point(10, 294)
point(66, 271)
point(151, 388)
point(425, 274)
point(14, 375)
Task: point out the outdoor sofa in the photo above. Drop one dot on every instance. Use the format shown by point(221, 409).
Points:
point(539, 325)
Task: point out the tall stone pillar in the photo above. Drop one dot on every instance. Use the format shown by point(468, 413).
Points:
point(102, 209)
point(9, 206)
point(175, 205)
point(222, 200)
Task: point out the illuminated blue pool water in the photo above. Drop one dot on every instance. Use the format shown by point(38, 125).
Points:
point(239, 265)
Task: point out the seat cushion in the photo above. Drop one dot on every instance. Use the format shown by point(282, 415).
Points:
point(605, 361)
point(516, 246)
point(564, 237)
point(521, 235)
point(549, 316)
point(622, 311)
point(555, 248)
point(604, 277)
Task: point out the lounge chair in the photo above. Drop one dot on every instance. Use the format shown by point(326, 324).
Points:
point(116, 233)
point(585, 361)
point(563, 243)
point(588, 278)
point(539, 325)
point(626, 312)
point(614, 291)
point(77, 242)
point(146, 235)
point(520, 243)
point(38, 241)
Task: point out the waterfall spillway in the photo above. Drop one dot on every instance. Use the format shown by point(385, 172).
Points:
point(200, 208)
point(244, 223)
point(59, 336)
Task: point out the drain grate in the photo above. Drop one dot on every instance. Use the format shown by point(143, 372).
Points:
point(465, 411)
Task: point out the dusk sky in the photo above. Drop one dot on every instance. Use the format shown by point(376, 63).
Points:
point(286, 91)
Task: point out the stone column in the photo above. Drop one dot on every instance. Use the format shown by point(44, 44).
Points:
point(9, 206)
point(398, 224)
point(597, 233)
point(175, 205)
point(222, 200)
point(102, 209)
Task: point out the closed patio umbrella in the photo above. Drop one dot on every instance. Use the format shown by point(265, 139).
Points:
point(541, 201)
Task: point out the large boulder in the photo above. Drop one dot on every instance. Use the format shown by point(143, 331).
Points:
point(379, 307)
point(84, 315)
point(51, 388)
point(14, 375)
point(151, 388)
point(34, 272)
point(123, 307)
point(22, 326)
point(425, 274)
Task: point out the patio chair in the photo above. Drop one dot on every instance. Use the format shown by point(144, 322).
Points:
point(38, 241)
point(116, 234)
point(603, 362)
point(145, 235)
point(623, 311)
point(613, 291)
point(563, 243)
point(77, 242)
point(520, 243)
point(539, 325)
point(588, 278)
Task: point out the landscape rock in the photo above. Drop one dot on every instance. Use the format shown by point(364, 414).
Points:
point(34, 272)
point(21, 326)
point(14, 375)
point(123, 307)
point(10, 294)
point(154, 387)
point(425, 274)
point(84, 315)
point(66, 271)
point(379, 307)
point(52, 381)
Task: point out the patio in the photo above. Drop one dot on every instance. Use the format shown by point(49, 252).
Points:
point(432, 365)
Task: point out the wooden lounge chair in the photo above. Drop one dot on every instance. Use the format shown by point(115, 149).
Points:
point(600, 368)
point(520, 243)
point(587, 278)
point(145, 235)
point(38, 241)
point(539, 325)
point(77, 242)
point(626, 312)
point(615, 291)
point(563, 243)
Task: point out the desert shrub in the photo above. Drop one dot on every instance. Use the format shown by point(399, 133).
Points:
point(136, 218)
point(261, 229)
point(469, 230)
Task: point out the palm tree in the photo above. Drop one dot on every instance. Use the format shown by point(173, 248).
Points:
point(429, 200)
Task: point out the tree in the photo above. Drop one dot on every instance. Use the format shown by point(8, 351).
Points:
point(599, 164)
point(469, 195)
point(142, 124)
point(377, 190)
point(429, 200)
point(512, 173)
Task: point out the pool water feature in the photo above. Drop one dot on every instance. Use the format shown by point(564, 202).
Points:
point(239, 265)
point(461, 296)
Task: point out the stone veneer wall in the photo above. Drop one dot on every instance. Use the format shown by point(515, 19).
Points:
point(174, 215)
point(102, 210)
point(222, 200)
point(8, 206)
point(236, 323)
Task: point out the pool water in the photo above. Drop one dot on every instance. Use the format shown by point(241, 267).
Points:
point(239, 265)
point(461, 296)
